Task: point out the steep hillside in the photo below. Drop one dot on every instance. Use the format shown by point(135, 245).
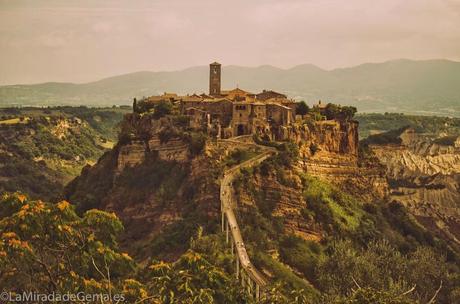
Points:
point(311, 235)
point(42, 149)
point(423, 87)
point(312, 220)
point(150, 179)
point(424, 175)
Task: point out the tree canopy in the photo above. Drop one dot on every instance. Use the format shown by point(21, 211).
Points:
point(302, 108)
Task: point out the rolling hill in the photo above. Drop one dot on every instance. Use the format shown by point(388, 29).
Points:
point(418, 87)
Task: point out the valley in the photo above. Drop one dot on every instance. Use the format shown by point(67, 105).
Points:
point(42, 149)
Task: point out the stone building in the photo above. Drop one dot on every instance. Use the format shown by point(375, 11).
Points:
point(230, 113)
point(268, 94)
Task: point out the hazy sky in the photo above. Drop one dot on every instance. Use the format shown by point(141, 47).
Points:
point(78, 41)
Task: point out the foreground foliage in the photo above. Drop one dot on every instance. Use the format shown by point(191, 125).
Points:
point(48, 248)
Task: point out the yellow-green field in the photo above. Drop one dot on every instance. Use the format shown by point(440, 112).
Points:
point(13, 121)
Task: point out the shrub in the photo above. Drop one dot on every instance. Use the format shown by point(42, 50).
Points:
point(300, 254)
point(289, 154)
point(162, 109)
point(313, 148)
point(302, 108)
point(196, 141)
point(166, 134)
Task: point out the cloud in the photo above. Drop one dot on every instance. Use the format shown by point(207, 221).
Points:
point(85, 40)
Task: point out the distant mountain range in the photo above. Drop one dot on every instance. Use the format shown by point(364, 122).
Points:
point(421, 87)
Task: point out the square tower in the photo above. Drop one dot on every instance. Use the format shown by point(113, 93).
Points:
point(214, 79)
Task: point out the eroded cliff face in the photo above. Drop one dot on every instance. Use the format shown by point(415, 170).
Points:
point(285, 201)
point(333, 136)
point(329, 149)
point(425, 176)
point(151, 179)
point(134, 152)
point(421, 159)
point(145, 134)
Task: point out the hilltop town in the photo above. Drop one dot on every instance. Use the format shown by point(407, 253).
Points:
point(236, 112)
point(175, 127)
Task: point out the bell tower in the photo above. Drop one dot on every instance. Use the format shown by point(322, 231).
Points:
point(214, 79)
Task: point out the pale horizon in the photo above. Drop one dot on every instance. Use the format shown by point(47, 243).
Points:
point(232, 65)
point(84, 41)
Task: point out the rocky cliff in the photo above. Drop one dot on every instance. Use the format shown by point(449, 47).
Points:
point(159, 179)
point(162, 174)
point(333, 136)
point(152, 179)
point(330, 150)
point(281, 200)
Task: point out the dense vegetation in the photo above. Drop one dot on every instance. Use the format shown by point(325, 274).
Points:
point(369, 252)
point(333, 111)
point(388, 137)
point(43, 148)
point(48, 248)
point(329, 112)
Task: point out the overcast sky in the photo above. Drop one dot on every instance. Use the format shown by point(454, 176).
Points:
point(80, 41)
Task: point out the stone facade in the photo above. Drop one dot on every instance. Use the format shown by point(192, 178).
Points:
point(229, 113)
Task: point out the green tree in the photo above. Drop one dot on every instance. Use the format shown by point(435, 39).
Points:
point(48, 248)
point(348, 112)
point(373, 296)
point(191, 279)
point(302, 108)
point(332, 111)
point(162, 109)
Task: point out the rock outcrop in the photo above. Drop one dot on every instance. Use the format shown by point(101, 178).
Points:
point(153, 178)
point(134, 152)
point(333, 136)
point(287, 202)
point(329, 149)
